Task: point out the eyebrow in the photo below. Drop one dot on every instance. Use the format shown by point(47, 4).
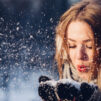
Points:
point(87, 40)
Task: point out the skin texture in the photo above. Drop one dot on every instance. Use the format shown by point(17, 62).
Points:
point(81, 47)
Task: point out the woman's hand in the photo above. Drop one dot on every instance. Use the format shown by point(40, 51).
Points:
point(68, 89)
point(87, 91)
point(46, 89)
point(75, 91)
point(65, 89)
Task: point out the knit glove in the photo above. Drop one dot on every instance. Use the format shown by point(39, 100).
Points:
point(87, 91)
point(75, 91)
point(46, 89)
point(67, 89)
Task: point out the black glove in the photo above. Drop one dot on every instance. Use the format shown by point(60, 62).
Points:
point(87, 90)
point(46, 89)
point(67, 89)
point(75, 91)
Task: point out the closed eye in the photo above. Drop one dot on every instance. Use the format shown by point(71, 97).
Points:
point(72, 46)
point(90, 47)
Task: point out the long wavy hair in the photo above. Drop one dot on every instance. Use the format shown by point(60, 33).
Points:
point(89, 12)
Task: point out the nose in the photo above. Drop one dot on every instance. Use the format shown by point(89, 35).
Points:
point(81, 53)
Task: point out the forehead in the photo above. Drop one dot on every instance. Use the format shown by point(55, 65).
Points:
point(79, 30)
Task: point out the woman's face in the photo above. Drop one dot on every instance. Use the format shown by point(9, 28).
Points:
point(81, 46)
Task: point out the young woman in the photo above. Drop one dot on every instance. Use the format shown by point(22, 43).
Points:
point(78, 43)
point(78, 55)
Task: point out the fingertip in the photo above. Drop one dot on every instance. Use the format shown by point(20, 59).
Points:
point(43, 78)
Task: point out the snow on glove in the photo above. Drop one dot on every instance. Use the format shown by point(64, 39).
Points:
point(87, 90)
point(68, 89)
point(46, 89)
point(43, 79)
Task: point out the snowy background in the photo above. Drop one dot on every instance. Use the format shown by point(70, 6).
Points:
point(27, 45)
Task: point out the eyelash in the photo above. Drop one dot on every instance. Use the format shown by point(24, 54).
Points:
point(90, 47)
point(72, 46)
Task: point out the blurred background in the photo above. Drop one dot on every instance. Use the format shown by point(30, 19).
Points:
point(27, 45)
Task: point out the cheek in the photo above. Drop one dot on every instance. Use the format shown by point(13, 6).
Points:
point(72, 55)
point(90, 55)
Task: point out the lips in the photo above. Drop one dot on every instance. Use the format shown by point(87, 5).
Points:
point(82, 68)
